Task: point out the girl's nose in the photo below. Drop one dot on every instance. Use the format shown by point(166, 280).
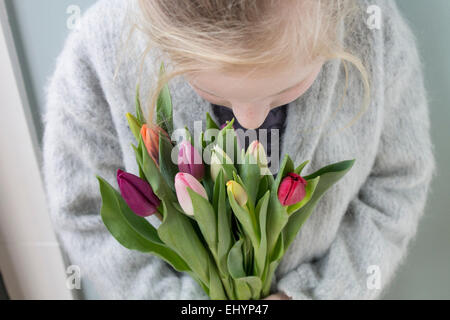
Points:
point(251, 116)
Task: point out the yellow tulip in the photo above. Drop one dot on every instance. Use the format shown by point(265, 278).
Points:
point(238, 192)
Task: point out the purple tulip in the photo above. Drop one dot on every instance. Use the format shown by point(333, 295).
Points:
point(138, 194)
point(190, 161)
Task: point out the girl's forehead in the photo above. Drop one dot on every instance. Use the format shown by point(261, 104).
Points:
point(272, 81)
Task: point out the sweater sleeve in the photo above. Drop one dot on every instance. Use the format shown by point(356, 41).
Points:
point(80, 141)
point(381, 220)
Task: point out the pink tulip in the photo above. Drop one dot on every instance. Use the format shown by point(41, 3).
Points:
point(190, 161)
point(182, 181)
point(292, 189)
point(256, 149)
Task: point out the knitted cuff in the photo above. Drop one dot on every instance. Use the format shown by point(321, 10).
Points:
point(298, 283)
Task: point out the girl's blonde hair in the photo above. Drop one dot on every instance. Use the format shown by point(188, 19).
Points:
point(245, 35)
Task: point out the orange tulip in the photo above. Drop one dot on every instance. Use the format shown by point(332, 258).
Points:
point(151, 141)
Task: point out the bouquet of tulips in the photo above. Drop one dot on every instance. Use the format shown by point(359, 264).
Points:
point(225, 219)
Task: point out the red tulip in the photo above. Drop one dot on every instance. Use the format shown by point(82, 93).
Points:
point(292, 189)
point(151, 141)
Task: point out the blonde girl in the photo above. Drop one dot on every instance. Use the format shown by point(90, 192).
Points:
point(333, 85)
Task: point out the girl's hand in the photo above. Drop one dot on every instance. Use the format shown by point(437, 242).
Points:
point(278, 296)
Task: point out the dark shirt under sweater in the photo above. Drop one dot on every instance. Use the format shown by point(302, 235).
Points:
point(276, 119)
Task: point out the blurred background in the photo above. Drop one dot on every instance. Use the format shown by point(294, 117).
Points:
point(31, 264)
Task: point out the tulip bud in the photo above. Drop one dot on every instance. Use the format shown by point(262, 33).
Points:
point(292, 189)
point(238, 192)
point(256, 149)
point(218, 159)
point(190, 161)
point(134, 124)
point(138, 194)
point(225, 124)
point(182, 181)
point(151, 141)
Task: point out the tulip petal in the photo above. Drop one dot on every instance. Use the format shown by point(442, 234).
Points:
point(182, 181)
point(256, 149)
point(150, 136)
point(292, 189)
point(190, 161)
point(137, 193)
point(238, 192)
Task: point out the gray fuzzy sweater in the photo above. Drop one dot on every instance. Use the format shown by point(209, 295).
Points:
point(352, 245)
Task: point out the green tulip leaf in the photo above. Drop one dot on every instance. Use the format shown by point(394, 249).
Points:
point(188, 136)
point(139, 114)
point(228, 285)
point(229, 168)
point(263, 186)
point(248, 288)
point(216, 288)
point(224, 233)
point(277, 215)
point(242, 290)
point(134, 125)
point(168, 168)
point(227, 141)
point(278, 251)
point(250, 174)
point(246, 219)
point(261, 252)
point(202, 141)
point(177, 232)
point(248, 250)
point(138, 152)
point(255, 285)
point(299, 169)
point(210, 123)
point(164, 109)
point(153, 175)
point(235, 260)
point(206, 219)
point(275, 259)
point(329, 175)
point(132, 231)
point(268, 281)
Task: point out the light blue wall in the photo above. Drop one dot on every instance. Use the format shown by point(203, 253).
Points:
point(40, 28)
point(426, 273)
